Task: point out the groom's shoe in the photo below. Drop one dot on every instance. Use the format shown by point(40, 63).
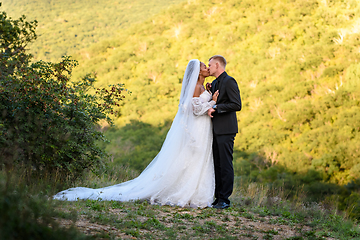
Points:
point(221, 205)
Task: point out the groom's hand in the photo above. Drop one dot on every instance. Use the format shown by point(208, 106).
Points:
point(210, 112)
point(208, 86)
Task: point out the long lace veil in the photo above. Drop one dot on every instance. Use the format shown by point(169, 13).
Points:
point(185, 112)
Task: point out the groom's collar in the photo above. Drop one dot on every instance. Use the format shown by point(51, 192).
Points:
point(221, 76)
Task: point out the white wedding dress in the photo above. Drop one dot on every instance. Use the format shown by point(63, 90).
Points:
point(182, 173)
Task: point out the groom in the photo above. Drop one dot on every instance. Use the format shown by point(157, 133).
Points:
point(225, 127)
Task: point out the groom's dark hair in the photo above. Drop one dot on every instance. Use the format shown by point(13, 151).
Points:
point(219, 58)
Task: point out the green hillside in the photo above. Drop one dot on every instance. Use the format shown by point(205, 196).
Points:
point(296, 63)
point(68, 25)
point(297, 66)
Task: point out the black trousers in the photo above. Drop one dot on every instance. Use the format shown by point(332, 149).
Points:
point(223, 147)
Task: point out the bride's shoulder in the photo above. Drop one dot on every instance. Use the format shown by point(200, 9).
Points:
point(199, 89)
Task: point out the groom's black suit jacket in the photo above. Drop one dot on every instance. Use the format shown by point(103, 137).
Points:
point(228, 102)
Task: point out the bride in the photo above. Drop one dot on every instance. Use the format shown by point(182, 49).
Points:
point(182, 173)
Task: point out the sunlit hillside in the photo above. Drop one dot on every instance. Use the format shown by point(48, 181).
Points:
point(69, 25)
point(296, 63)
point(297, 153)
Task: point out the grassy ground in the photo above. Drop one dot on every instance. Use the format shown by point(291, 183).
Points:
point(255, 216)
point(256, 213)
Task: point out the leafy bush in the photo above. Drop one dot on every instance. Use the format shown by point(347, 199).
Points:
point(47, 122)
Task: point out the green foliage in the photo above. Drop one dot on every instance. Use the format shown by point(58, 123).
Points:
point(47, 122)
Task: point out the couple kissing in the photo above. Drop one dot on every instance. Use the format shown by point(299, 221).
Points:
point(194, 167)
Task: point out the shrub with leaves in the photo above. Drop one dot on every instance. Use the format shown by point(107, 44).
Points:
point(48, 122)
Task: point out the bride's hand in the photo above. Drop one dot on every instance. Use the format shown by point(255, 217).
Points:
point(215, 96)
